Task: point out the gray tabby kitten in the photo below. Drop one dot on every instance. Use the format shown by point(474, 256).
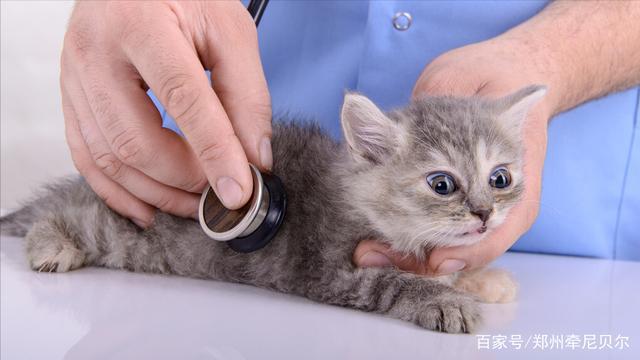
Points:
point(443, 171)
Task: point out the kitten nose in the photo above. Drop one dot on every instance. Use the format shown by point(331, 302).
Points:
point(483, 214)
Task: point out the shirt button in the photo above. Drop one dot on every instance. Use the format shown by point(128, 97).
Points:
point(402, 21)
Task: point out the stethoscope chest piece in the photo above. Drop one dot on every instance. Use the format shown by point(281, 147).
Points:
point(251, 227)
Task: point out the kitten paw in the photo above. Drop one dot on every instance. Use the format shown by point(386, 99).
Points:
point(451, 313)
point(489, 285)
point(61, 259)
point(50, 250)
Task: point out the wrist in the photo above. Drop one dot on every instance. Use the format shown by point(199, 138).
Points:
point(539, 64)
point(583, 50)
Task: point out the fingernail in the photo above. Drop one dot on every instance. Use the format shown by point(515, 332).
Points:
point(266, 155)
point(140, 223)
point(374, 259)
point(229, 191)
point(450, 266)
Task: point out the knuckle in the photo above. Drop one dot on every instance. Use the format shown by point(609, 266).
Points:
point(130, 21)
point(236, 24)
point(261, 111)
point(101, 102)
point(77, 43)
point(165, 203)
point(244, 26)
point(133, 35)
point(195, 184)
point(109, 165)
point(124, 14)
point(255, 103)
point(130, 148)
point(180, 96)
point(213, 152)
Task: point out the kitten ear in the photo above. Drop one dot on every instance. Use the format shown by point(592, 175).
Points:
point(370, 134)
point(515, 107)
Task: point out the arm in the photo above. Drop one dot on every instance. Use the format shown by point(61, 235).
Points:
point(585, 49)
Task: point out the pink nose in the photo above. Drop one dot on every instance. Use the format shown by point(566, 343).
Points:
point(483, 214)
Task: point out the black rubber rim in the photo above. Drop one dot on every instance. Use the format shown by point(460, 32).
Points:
point(271, 223)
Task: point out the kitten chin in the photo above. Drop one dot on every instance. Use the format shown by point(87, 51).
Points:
point(420, 248)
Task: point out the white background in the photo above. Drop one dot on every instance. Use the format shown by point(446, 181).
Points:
point(95, 313)
point(33, 149)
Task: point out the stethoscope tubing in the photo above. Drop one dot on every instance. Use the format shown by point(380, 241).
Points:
point(256, 9)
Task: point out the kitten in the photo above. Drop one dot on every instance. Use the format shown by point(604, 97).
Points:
point(443, 171)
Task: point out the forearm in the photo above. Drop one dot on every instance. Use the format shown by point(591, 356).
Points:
point(583, 50)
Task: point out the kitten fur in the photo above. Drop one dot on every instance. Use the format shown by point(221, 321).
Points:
point(373, 185)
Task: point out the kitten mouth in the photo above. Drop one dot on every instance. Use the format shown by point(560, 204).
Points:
point(481, 230)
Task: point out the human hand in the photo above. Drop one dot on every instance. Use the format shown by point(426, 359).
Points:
point(113, 52)
point(493, 69)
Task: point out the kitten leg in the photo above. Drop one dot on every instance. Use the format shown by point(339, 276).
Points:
point(425, 302)
point(50, 248)
point(489, 285)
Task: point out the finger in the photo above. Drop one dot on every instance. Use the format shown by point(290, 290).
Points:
point(131, 126)
point(371, 253)
point(173, 71)
point(114, 195)
point(238, 80)
point(166, 198)
point(126, 116)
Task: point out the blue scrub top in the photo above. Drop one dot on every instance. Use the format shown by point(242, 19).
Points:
point(313, 50)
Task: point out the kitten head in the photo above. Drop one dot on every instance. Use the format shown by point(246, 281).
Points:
point(443, 171)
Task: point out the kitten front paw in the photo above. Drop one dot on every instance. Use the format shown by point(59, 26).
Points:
point(451, 313)
point(489, 285)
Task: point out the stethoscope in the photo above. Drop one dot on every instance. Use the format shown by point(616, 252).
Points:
point(251, 227)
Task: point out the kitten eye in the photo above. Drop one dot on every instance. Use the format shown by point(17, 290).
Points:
point(442, 183)
point(501, 178)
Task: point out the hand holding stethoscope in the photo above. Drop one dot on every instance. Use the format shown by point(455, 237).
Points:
point(114, 52)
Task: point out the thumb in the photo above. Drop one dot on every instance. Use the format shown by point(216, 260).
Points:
point(441, 261)
point(371, 253)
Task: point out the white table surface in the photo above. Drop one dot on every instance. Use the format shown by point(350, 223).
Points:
point(96, 313)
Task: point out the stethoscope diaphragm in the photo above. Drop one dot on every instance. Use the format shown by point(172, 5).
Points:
point(252, 226)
